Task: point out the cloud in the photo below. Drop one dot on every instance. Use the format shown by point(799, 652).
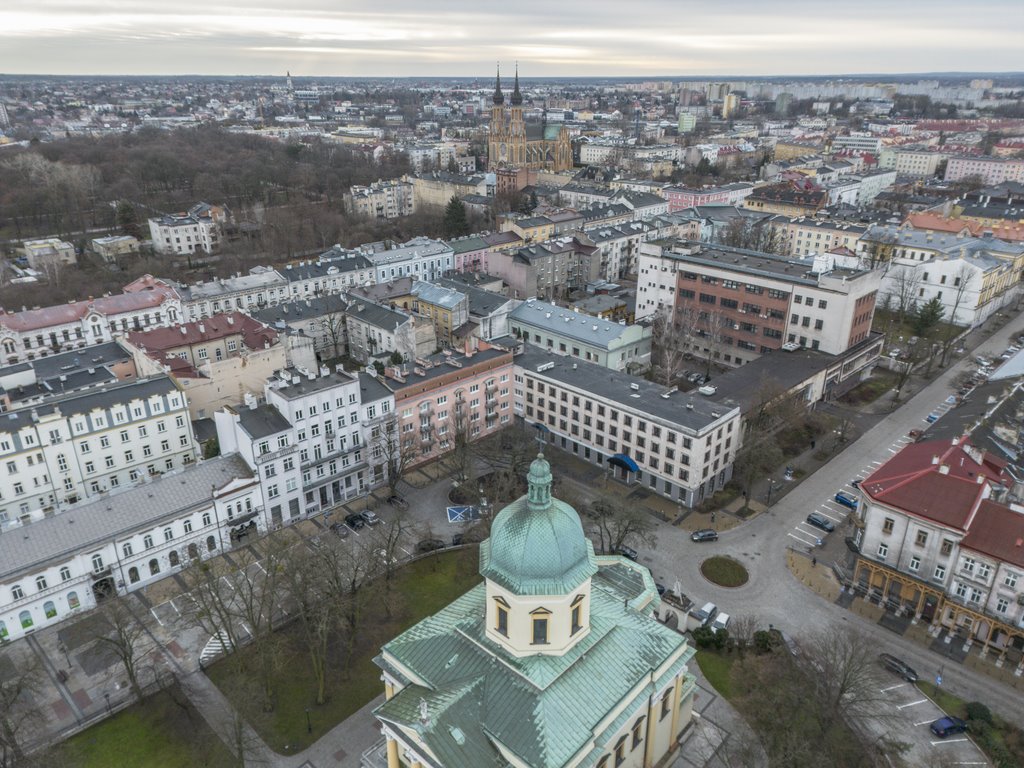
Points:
point(457, 37)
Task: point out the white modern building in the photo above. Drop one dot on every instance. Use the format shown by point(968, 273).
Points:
point(198, 229)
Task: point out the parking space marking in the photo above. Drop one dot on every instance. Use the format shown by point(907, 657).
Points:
point(923, 722)
point(912, 704)
point(153, 611)
point(802, 541)
point(830, 517)
point(892, 687)
point(951, 741)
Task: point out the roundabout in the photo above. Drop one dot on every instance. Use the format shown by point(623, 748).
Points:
point(724, 571)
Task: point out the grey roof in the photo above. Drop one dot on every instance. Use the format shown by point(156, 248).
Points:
point(301, 309)
point(946, 244)
point(93, 524)
point(564, 322)
point(204, 429)
point(992, 414)
point(481, 303)
point(467, 244)
point(371, 388)
point(782, 370)
point(377, 315)
point(262, 421)
point(601, 302)
point(299, 385)
point(440, 366)
point(226, 285)
point(331, 262)
point(617, 387)
point(418, 247)
point(441, 295)
point(53, 366)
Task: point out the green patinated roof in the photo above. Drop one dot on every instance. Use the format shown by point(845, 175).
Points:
point(537, 545)
point(544, 709)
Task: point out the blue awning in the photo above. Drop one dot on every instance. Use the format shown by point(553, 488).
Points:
point(622, 460)
point(541, 427)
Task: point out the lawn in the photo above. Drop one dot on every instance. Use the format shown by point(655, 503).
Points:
point(163, 730)
point(425, 586)
point(724, 571)
point(717, 668)
point(870, 389)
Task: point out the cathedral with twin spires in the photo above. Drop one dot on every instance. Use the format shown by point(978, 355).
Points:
point(514, 144)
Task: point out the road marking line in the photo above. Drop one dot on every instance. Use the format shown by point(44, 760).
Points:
point(923, 722)
point(826, 511)
point(802, 541)
point(171, 601)
point(949, 741)
point(912, 704)
point(892, 688)
point(893, 450)
point(153, 611)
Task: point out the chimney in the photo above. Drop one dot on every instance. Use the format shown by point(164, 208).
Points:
point(943, 469)
point(325, 371)
point(935, 460)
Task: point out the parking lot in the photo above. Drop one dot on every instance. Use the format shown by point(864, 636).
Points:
point(907, 713)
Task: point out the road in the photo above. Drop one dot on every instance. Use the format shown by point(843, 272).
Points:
point(775, 596)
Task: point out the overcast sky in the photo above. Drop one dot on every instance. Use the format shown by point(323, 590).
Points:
point(548, 37)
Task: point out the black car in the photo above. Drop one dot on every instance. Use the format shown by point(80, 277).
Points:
point(340, 529)
point(627, 552)
point(705, 534)
point(355, 521)
point(398, 502)
point(820, 521)
point(662, 589)
point(947, 726)
point(901, 668)
point(429, 545)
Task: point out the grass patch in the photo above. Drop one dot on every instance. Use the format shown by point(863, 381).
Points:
point(951, 704)
point(419, 589)
point(870, 389)
point(721, 498)
point(724, 571)
point(717, 668)
point(1002, 742)
point(163, 730)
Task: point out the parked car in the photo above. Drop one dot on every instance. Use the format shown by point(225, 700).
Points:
point(340, 529)
point(982, 361)
point(398, 502)
point(370, 517)
point(915, 434)
point(932, 417)
point(846, 500)
point(627, 552)
point(706, 614)
point(355, 521)
point(901, 668)
point(704, 534)
point(721, 622)
point(429, 545)
point(662, 589)
point(457, 540)
point(856, 482)
point(820, 521)
point(947, 726)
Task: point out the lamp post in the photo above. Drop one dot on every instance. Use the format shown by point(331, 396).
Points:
point(309, 724)
point(771, 486)
point(63, 649)
point(107, 697)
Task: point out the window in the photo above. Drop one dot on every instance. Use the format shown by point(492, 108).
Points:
point(883, 550)
point(620, 751)
point(1010, 580)
point(126, 549)
point(915, 564)
point(968, 565)
point(940, 573)
point(638, 733)
point(577, 615)
point(97, 563)
point(947, 547)
point(40, 583)
point(540, 629)
point(168, 534)
point(501, 617)
point(887, 525)
point(65, 573)
point(921, 538)
point(187, 525)
point(1002, 604)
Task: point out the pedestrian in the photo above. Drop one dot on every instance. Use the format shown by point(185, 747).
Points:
point(814, 562)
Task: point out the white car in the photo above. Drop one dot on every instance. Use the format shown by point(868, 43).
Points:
point(721, 622)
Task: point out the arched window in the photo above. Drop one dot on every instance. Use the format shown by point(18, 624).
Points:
point(172, 557)
point(154, 567)
point(193, 552)
point(65, 574)
point(49, 609)
point(126, 549)
point(16, 592)
point(97, 563)
point(40, 583)
point(133, 575)
point(206, 518)
point(211, 543)
point(168, 533)
point(73, 601)
point(26, 619)
point(147, 541)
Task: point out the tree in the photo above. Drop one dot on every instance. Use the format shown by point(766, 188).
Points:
point(128, 219)
point(618, 525)
point(710, 336)
point(905, 282)
point(669, 343)
point(455, 222)
point(310, 589)
point(21, 684)
point(387, 441)
point(333, 325)
point(928, 317)
point(123, 633)
point(961, 282)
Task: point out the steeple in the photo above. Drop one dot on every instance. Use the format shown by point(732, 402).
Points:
point(499, 97)
point(539, 481)
point(517, 97)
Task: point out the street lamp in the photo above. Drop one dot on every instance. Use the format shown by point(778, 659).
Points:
point(107, 697)
point(309, 725)
point(63, 649)
point(771, 486)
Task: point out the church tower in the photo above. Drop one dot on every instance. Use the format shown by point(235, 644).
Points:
point(497, 145)
point(516, 126)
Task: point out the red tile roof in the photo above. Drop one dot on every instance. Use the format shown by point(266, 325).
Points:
point(935, 479)
point(997, 531)
point(74, 311)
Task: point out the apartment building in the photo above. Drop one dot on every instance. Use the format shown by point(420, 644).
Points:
point(857, 143)
point(681, 198)
point(488, 311)
point(448, 398)
point(311, 441)
point(30, 383)
point(608, 344)
point(198, 229)
point(937, 542)
point(677, 445)
point(321, 319)
point(747, 303)
point(990, 170)
point(421, 257)
point(382, 199)
point(617, 247)
point(803, 236)
point(547, 269)
point(376, 332)
point(919, 162)
point(445, 307)
point(50, 569)
point(787, 198)
point(334, 271)
point(90, 442)
point(262, 287)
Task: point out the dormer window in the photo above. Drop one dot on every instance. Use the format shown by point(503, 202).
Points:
point(577, 614)
point(501, 616)
point(540, 626)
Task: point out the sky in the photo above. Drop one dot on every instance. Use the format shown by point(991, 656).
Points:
point(408, 38)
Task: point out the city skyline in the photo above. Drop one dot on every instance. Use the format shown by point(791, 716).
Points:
point(651, 37)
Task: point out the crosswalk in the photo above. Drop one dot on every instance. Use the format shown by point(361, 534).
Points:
point(811, 536)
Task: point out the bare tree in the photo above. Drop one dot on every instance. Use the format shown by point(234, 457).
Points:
point(387, 443)
point(669, 347)
point(317, 611)
point(710, 336)
point(123, 635)
point(905, 284)
point(333, 325)
point(21, 682)
point(618, 525)
point(961, 282)
point(212, 596)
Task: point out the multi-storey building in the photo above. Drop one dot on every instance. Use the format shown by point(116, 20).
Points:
point(447, 399)
point(547, 269)
point(376, 332)
point(618, 247)
point(34, 333)
point(23, 385)
point(313, 441)
point(746, 303)
point(677, 445)
point(262, 287)
point(488, 311)
point(991, 170)
point(382, 199)
point(421, 257)
point(608, 344)
point(50, 569)
point(198, 229)
point(805, 236)
point(63, 450)
point(787, 199)
point(937, 543)
point(911, 161)
point(447, 309)
point(321, 319)
point(336, 270)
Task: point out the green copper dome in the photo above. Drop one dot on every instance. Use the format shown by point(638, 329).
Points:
point(537, 545)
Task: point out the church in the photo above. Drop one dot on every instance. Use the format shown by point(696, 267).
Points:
point(555, 661)
point(512, 143)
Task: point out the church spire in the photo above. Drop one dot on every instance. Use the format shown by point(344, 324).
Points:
point(499, 97)
point(517, 97)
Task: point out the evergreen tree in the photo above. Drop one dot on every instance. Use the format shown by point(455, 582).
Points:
point(928, 316)
point(455, 222)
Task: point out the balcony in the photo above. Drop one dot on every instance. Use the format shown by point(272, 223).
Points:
point(263, 458)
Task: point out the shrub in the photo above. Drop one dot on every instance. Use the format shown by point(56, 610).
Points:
point(978, 711)
point(764, 641)
point(720, 639)
point(703, 637)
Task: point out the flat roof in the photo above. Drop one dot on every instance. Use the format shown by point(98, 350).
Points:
point(585, 328)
